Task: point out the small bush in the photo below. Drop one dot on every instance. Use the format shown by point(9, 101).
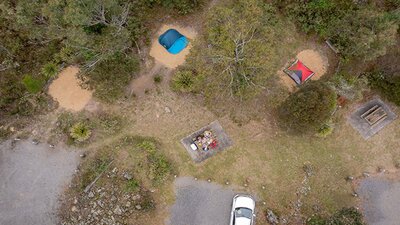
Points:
point(80, 132)
point(325, 130)
point(388, 85)
point(50, 70)
point(183, 81)
point(345, 216)
point(157, 79)
point(132, 185)
point(33, 85)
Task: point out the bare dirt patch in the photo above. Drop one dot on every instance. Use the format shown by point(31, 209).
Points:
point(161, 55)
point(67, 91)
point(313, 59)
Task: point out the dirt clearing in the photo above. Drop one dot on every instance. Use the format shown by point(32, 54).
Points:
point(313, 59)
point(67, 91)
point(161, 55)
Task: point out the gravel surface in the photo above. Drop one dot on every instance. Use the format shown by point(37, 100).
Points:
point(200, 203)
point(380, 201)
point(32, 177)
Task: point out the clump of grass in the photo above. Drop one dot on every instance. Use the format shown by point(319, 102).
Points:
point(325, 130)
point(50, 70)
point(160, 168)
point(157, 79)
point(132, 186)
point(80, 132)
point(33, 85)
point(93, 169)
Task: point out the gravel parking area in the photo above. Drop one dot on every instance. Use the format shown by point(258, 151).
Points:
point(32, 177)
point(380, 199)
point(200, 203)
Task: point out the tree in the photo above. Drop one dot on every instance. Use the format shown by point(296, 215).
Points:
point(308, 109)
point(365, 34)
point(238, 54)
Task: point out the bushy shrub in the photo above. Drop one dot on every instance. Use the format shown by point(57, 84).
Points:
point(157, 79)
point(80, 132)
point(111, 77)
point(325, 130)
point(388, 85)
point(308, 109)
point(184, 81)
point(182, 6)
point(33, 85)
point(345, 216)
point(50, 70)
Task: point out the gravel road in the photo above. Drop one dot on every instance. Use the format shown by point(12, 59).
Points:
point(200, 203)
point(32, 177)
point(380, 201)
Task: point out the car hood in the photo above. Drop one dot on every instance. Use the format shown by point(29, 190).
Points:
point(242, 221)
point(244, 202)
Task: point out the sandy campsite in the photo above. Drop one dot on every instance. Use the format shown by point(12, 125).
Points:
point(313, 59)
point(67, 91)
point(160, 54)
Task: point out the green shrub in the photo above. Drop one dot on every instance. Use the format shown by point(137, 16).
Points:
point(111, 77)
point(308, 109)
point(345, 216)
point(388, 85)
point(182, 6)
point(132, 185)
point(50, 70)
point(33, 85)
point(325, 130)
point(183, 81)
point(80, 132)
point(157, 79)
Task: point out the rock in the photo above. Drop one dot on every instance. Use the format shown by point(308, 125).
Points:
point(136, 197)
point(115, 170)
point(138, 207)
point(167, 109)
point(263, 187)
point(271, 217)
point(349, 178)
point(308, 169)
point(113, 198)
point(51, 146)
point(127, 176)
point(35, 142)
point(74, 209)
point(91, 195)
point(209, 180)
point(117, 210)
point(83, 155)
point(366, 174)
point(75, 201)
point(128, 204)
point(12, 129)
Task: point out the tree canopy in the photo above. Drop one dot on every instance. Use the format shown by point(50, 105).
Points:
point(308, 109)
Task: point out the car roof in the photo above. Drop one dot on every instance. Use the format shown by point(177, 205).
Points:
point(244, 201)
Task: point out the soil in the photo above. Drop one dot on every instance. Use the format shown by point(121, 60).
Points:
point(67, 91)
point(315, 60)
point(160, 54)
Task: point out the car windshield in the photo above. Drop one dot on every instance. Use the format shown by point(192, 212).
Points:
point(243, 212)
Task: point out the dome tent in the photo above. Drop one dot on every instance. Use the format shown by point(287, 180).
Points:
point(173, 41)
point(299, 72)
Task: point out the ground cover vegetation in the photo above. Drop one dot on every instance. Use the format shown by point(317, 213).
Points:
point(39, 38)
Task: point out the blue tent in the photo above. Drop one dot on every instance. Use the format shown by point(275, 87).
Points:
point(173, 41)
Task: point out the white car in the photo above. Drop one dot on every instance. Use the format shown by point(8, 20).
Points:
point(243, 210)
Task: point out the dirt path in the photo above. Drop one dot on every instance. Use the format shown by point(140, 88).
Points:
point(67, 91)
point(32, 177)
